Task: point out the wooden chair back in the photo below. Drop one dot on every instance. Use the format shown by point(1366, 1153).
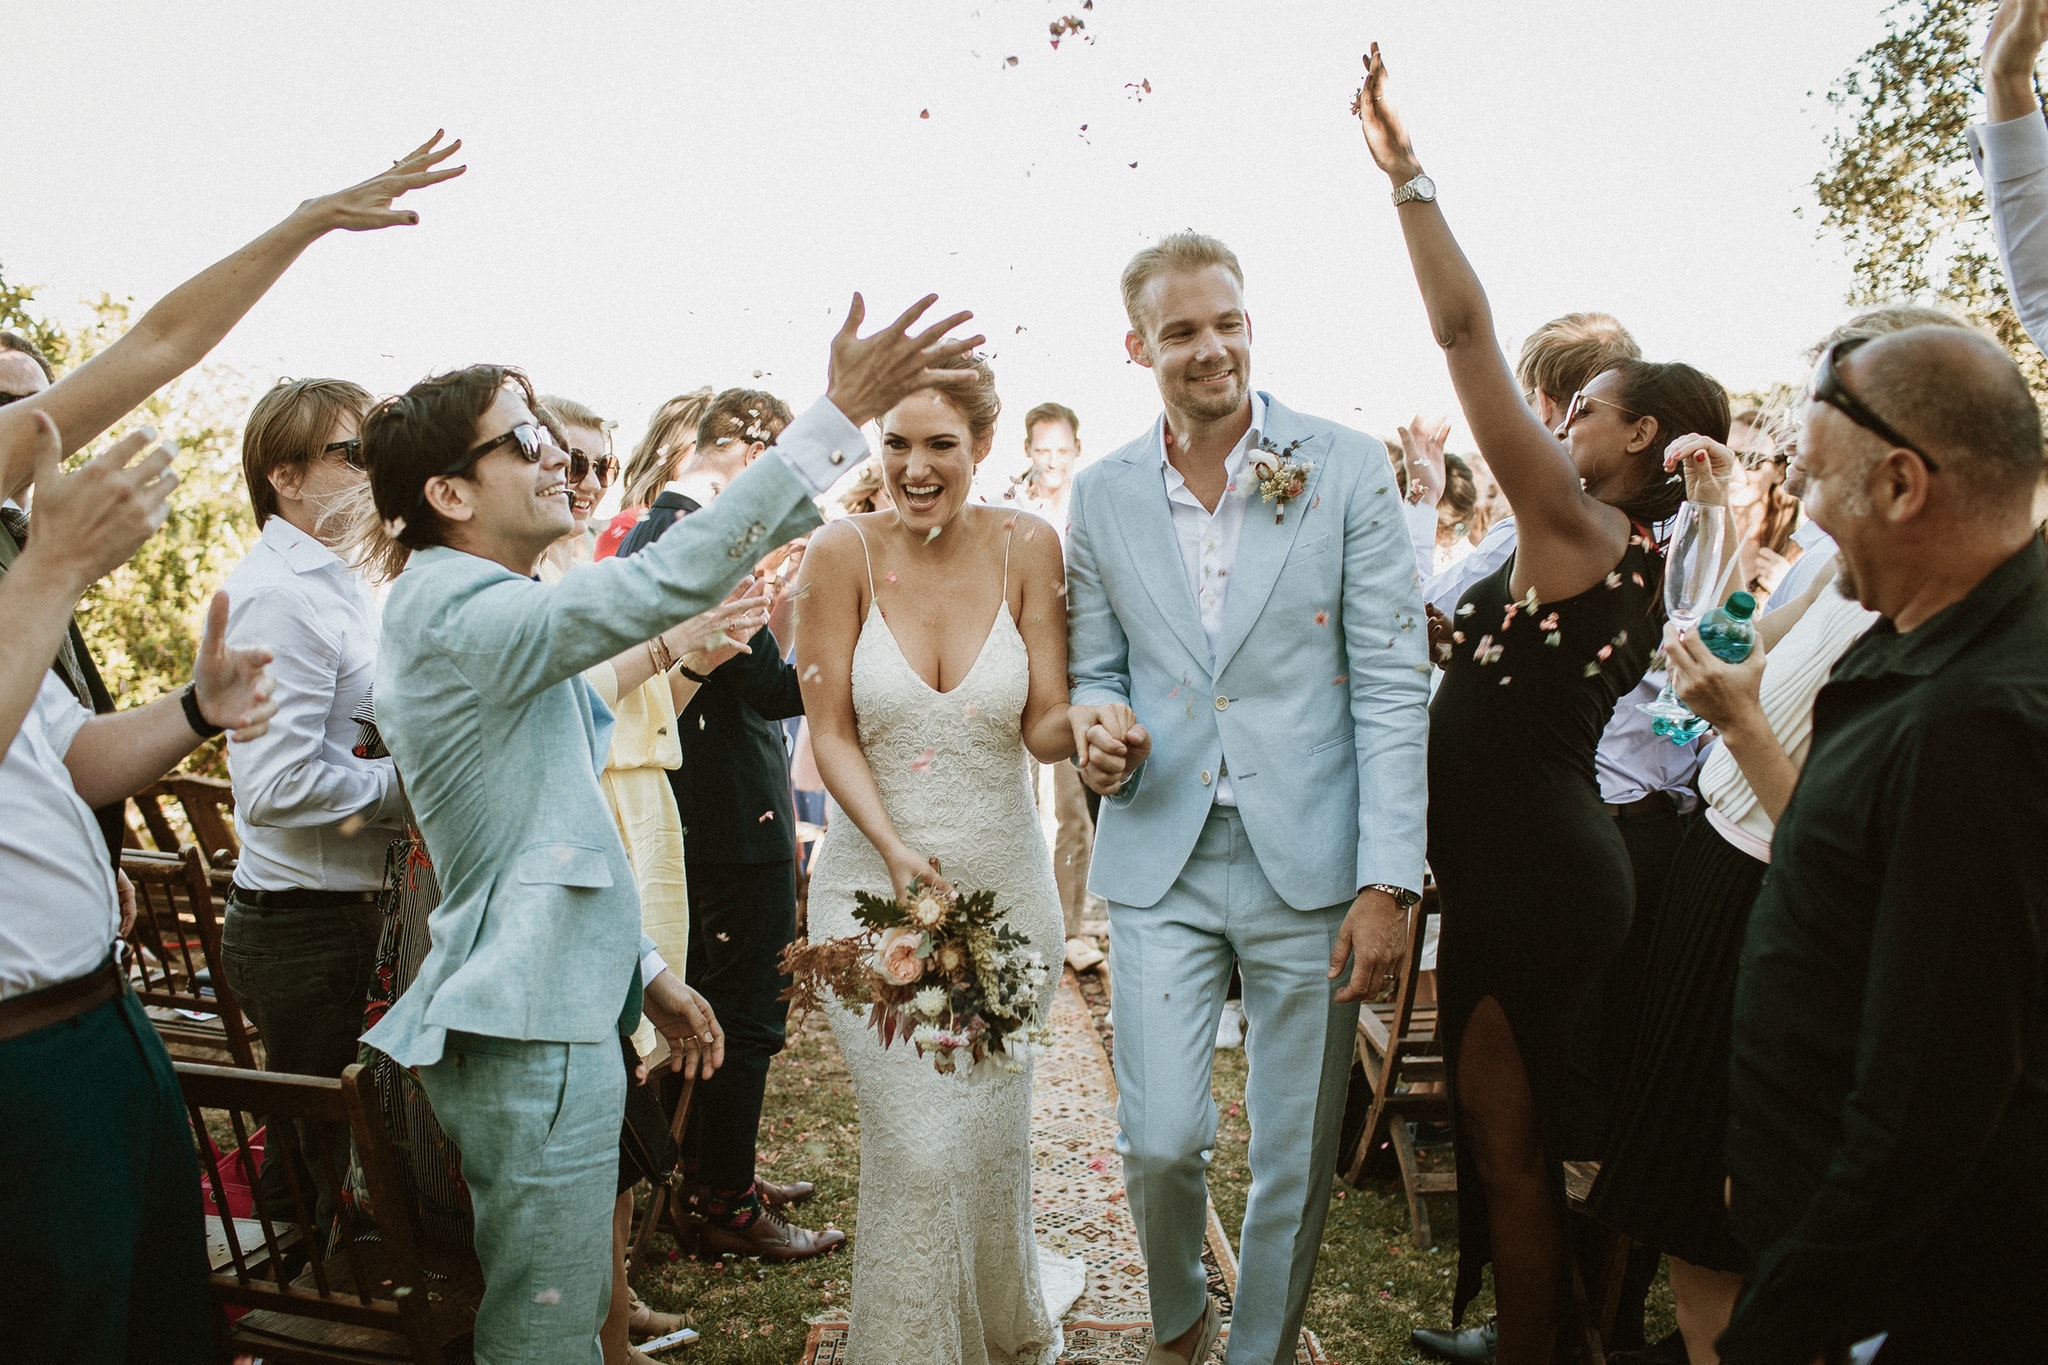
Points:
point(207, 806)
point(1404, 1069)
point(369, 1288)
point(174, 960)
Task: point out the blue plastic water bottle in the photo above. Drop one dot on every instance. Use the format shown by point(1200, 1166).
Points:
point(1729, 634)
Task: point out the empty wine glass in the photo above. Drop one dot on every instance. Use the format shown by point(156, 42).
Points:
point(1698, 564)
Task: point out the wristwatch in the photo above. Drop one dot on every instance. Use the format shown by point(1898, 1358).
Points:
point(201, 726)
point(1403, 897)
point(1421, 187)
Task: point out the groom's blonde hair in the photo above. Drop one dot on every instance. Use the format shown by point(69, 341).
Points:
point(1178, 251)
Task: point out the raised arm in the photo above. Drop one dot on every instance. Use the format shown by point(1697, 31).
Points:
point(188, 322)
point(2011, 153)
point(1568, 539)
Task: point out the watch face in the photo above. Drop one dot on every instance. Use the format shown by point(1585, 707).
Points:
point(1423, 187)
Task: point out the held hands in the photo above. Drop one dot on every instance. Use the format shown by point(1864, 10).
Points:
point(1708, 466)
point(867, 376)
point(88, 522)
point(1422, 453)
point(1372, 939)
point(696, 1043)
point(1109, 744)
point(367, 206)
point(1386, 137)
point(1726, 696)
point(232, 686)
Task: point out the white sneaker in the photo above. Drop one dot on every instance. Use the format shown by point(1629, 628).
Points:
point(1230, 1028)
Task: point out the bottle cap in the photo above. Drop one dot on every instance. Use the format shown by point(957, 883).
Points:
point(1740, 605)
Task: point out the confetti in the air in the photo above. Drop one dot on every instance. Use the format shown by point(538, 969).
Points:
point(811, 674)
point(1323, 619)
point(922, 764)
point(922, 113)
point(1340, 680)
point(932, 534)
point(766, 816)
point(889, 577)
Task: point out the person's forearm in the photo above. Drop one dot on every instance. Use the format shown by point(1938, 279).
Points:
point(631, 668)
point(36, 604)
point(117, 755)
point(1050, 735)
point(1765, 765)
point(2009, 95)
point(1459, 314)
point(844, 769)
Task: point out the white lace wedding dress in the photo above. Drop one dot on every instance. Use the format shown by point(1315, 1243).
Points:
point(945, 1267)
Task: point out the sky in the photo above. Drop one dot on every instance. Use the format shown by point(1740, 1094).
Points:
point(663, 195)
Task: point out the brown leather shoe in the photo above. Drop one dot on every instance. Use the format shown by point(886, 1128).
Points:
point(783, 1196)
point(651, 1322)
point(769, 1238)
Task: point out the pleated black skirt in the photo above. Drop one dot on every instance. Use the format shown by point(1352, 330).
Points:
point(1662, 1180)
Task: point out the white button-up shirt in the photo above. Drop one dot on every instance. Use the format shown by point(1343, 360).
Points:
point(62, 915)
point(2013, 159)
point(1208, 540)
point(298, 786)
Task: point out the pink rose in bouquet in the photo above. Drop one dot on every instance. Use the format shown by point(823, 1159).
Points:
point(896, 958)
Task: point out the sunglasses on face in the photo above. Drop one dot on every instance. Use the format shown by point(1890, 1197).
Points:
point(1828, 388)
point(582, 462)
point(351, 452)
point(1582, 402)
point(527, 439)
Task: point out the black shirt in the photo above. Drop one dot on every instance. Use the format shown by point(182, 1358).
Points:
point(732, 789)
point(1888, 1100)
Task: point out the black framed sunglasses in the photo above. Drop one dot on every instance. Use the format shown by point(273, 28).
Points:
point(1582, 402)
point(1828, 388)
point(528, 439)
point(351, 452)
point(581, 463)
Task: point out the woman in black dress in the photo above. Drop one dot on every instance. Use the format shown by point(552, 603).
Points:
point(1534, 878)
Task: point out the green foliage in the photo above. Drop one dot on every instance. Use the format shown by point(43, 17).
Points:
point(142, 621)
point(1900, 188)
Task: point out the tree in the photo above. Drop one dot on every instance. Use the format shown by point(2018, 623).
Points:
point(142, 621)
point(1900, 188)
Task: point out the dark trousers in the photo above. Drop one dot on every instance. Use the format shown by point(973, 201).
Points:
point(742, 915)
point(103, 1257)
point(303, 976)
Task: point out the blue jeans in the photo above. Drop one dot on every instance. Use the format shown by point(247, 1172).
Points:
point(538, 1125)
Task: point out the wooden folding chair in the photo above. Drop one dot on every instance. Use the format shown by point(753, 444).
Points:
point(1398, 1051)
point(666, 1204)
point(367, 1293)
point(174, 960)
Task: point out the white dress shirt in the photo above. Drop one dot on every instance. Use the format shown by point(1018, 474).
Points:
point(1453, 581)
point(310, 814)
point(1816, 552)
point(1208, 540)
point(2013, 159)
point(62, 914)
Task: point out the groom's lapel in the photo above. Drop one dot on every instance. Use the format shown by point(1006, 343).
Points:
point(1263, 543)
point(1147, 524)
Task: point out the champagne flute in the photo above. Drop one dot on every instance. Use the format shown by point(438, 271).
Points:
point(1697, 564)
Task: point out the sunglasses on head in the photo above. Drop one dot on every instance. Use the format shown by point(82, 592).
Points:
point(351, 452)
point(1828, 388)
point(582, 462)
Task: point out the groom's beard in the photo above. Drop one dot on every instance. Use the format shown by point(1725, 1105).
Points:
point(1212, 405)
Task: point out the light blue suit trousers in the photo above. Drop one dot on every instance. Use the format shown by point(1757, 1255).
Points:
point(1170, 965)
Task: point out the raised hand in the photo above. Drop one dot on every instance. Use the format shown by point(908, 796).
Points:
point(711, 637)
point(1422, 452)
point(1386, 137)
point(91, 520)
point(367, 206)
point(232, 686)
point(1708, 467)
point(2011, 50)
point(870, 375)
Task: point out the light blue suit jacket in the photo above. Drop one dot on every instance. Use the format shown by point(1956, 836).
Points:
point(500, 742)
point(1323, 725)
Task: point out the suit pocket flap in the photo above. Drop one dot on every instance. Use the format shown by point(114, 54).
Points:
point(1309, 549)
point(564, 865)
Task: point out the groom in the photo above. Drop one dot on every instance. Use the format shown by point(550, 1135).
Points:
point(1274, 648)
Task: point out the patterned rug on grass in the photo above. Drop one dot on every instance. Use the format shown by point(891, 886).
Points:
point(1078, 1189)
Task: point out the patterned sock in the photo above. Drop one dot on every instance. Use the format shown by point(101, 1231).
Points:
point(733, 1210)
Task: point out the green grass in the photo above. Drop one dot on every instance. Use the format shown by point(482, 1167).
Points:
point(1372, 1285)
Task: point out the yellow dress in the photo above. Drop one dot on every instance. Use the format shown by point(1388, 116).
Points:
point(645, 748)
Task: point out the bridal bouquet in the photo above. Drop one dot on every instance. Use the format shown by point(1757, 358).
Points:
point(940, 968)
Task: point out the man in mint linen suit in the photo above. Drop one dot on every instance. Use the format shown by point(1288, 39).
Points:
point(538, 963)
point(1274, 651)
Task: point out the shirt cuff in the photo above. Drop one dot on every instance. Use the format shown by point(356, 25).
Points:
point(2012, 149)
point(821, 446)
point(652, 964)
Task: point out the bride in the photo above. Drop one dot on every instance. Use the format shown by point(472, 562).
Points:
point(932, 647)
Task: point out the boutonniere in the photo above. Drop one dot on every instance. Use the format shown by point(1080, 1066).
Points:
point(1282, 478)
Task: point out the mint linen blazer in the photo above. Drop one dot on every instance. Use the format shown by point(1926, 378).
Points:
point(1317, 696)
point(500, 742)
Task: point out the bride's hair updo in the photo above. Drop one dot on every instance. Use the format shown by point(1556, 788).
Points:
point(974, 400)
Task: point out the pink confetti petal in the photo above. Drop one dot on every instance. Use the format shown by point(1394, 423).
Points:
point(922, 764)
point(1323, 619)
point(766, 816)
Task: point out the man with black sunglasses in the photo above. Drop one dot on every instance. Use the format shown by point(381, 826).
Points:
point(1888, 1091)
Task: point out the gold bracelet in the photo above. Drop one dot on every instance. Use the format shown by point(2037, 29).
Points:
point(655, 651)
